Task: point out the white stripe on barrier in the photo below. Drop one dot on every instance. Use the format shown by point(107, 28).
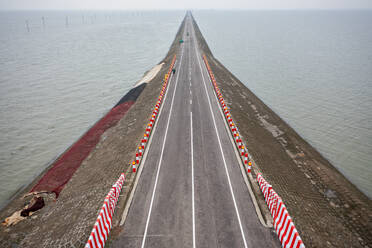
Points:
point(103, 223)
point(234, 130)
point(154, 115)
point(283, 223)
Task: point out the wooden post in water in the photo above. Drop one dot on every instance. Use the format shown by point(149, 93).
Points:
point(27, 26)
point(43, 21)
point(66, 21)
point(82, 19)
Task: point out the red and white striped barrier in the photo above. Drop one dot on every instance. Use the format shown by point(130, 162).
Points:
point(102, 227)
point(146, 136)
point(242, 148)
point(283, 224)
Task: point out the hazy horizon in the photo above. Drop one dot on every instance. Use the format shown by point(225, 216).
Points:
point(211, 9)
point(180, 5)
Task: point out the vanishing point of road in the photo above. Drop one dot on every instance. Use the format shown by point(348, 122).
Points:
point(191, 191)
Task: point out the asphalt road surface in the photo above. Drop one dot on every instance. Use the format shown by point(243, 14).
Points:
point(191, 192)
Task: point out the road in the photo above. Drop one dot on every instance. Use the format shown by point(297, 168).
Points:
point(191, 192)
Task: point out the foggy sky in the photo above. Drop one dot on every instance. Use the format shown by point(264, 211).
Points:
point(185, 4)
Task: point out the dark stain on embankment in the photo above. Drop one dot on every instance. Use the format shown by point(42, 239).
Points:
point(132, 95)
point(65, 166)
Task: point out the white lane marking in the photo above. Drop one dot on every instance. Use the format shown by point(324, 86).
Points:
point(242, 169)
point(190, 101)
point(253, 197)
point(192, 183)
point(220, 145)
point(143, 161)
point(161, 156)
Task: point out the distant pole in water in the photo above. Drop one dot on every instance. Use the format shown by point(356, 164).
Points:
point(82, 19)
point(43, 21)
point(66, 21)
point(27, 26)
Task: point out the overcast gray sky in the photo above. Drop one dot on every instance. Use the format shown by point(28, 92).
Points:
point(184, 4)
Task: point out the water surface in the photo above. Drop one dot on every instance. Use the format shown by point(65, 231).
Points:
point(313, 68)
point(58, 77)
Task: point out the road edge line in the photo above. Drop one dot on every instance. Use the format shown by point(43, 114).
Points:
point(141, 165)
point(268, 223)
point(222, 153)
point(192, 183)
point(161, 155)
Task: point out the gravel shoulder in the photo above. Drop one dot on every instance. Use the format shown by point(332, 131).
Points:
point(328, 210)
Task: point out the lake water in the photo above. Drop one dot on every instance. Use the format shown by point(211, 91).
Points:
point(313, 68)
point(58, 79)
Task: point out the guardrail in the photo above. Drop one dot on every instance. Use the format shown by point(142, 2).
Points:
point(283, 224)
point(102, 227)
point(245, 156)
point(154, 115)
point(103, 224)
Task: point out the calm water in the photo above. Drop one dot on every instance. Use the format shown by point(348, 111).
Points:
point(58, 79)
point(313, 68)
